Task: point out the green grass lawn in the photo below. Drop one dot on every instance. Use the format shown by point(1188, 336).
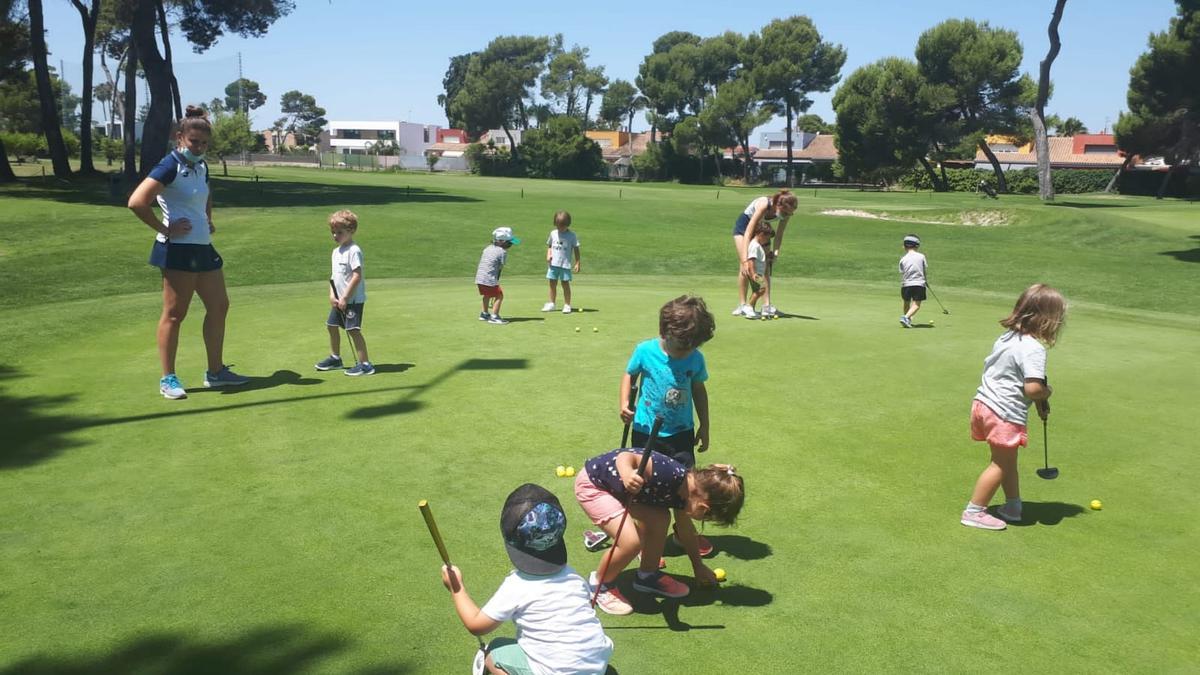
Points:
point(275, 529)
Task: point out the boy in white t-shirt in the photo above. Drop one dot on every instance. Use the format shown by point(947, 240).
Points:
point(562, 258)
point(912, 279)
point(557, 629)
point(347, 296)
point(760, 283)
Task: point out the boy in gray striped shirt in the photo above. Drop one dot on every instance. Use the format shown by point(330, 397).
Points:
point(487, 275)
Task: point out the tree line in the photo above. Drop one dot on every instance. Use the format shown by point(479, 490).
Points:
point(699, 95)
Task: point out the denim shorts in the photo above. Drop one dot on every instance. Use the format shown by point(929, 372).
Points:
point(558, 273)
point(185, 257)
point(739, 227)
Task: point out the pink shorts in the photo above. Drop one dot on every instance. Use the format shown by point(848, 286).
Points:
point(986, 425)
point(599, 505)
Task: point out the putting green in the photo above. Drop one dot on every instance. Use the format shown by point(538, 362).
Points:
point(274, 528)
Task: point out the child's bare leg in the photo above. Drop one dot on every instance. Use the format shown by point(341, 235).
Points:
point(912, 311)
point(905, 310)
point(360, 345)
point(685, 531)
point(554, 290)
point(1004, 461)
point(177, 296)
point(567, 292)
point(623, 550)
point(486, 303)
point(335, 340)
point(496, 304)
point(652, 528)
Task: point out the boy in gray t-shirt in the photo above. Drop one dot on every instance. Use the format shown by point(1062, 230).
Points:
point(912, 279)
point(487, 275)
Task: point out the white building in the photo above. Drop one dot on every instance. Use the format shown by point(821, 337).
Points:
point(359, 137)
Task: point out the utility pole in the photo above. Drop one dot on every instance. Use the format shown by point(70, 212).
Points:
point(241, 106)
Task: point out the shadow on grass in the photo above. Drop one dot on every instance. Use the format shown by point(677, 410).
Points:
point(1046, 513)
point(236, 193)
point(1192, 255)
point(407, 403)
point(734, 595)
point(277, 379)
point(265, 651)
point(523, 319)
point(785, 315)
point(1089, 205)
point(239, 193)
point(31, 433)
point(734, 545)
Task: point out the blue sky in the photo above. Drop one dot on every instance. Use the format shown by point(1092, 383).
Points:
point(377, 60)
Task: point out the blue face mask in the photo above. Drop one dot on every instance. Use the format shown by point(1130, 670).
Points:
point(190, 156)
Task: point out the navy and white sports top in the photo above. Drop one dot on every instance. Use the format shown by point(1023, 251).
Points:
point(185, 195)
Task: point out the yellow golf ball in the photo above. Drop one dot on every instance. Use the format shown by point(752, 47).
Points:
point(719, 574)
point(560, 471)
point(570, 471)
point(595, 330)
point(576, 329)
point(1096, 505)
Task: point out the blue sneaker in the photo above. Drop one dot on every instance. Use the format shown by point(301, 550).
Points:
point(484, 316)
point(224, 378)
point(329, 363)
point(170, 387)
point(364, 368)
point(906, 322)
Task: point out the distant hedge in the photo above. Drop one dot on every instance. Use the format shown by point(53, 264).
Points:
point(1021, 181)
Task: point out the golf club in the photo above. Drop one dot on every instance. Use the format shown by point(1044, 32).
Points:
point(477, 666)
point(935, 297)
point(633, 399)
point(1048, 472)
point(654, 429)
point(342, 315)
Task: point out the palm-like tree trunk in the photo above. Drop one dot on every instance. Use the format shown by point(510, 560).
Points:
point(6, 172)
point(787, 108)
point(51, 122)
point(157, 128)
point(1038, 114)
point(1001, 183)
point(88, 17)
point(128, 122)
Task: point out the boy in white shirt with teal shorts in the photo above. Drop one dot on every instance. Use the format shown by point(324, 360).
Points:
point(557, 629)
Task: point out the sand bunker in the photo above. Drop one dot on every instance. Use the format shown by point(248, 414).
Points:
point(976, 218)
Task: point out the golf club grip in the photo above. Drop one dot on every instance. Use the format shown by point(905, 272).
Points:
point(433, 530)
point(654, 429)
point(333, 287)
point(630, 403)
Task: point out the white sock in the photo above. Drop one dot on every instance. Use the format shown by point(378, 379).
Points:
point(336, 356)
point(975, 508)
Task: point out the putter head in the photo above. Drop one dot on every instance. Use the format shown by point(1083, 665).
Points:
point(1048, 473)
point(946, 312)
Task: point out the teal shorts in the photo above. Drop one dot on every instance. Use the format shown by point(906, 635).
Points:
point(507, 654)
point(558, 273)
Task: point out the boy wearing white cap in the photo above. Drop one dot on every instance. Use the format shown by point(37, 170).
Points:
point(557, 629)
point(487, 275)
point(912, 279)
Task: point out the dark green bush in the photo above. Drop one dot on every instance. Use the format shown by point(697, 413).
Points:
point(1020, 181)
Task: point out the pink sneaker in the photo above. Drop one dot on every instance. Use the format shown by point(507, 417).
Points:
point(706, 547)
point(661, 584)
point(612, 602)
point(983, 520)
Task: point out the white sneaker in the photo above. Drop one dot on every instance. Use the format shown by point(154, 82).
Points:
point(566, 309)
point(748, 312)
point(737, 311)
point(548, 307)
point(770, 310)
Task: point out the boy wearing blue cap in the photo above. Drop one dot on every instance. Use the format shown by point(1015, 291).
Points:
point(557, 628)
point(912, 279)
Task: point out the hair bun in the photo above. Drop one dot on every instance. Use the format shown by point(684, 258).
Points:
point(195, 111)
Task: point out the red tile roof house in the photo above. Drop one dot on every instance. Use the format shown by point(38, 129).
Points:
point(1082, 151)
